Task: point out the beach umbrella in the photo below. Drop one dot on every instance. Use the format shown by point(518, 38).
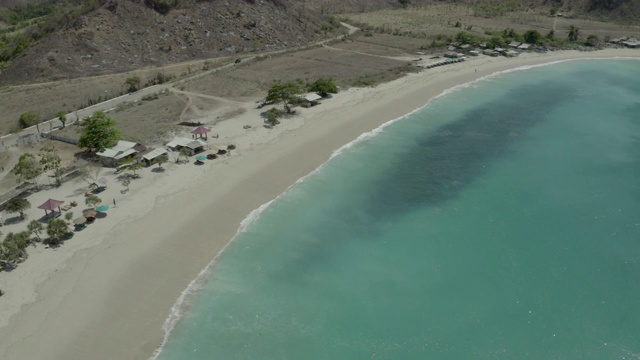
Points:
point(102, 208)
point(79, 221)
point(89, 213)
point(201, 158)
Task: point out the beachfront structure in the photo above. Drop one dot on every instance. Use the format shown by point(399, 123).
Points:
point(490, 52)
point(151, 155)
point(626, 41)
point(524, 46)
point(511, 53)
point(178, 143)
point(514, 44)
point(99, 184)
point(51, 205)
point(201, 131)
point(122, 150)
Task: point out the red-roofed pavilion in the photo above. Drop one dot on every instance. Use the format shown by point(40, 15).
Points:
point(51, 205)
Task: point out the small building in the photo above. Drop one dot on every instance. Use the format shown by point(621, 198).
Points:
point(490, 52)
point(465, 46)
point(524, 46)
point(474, 52)
point(178, 143)
point(631, 43)
point(512, 53)
point(514, 44)
point(312, 99)
point(122, 150)
point(149, 157)
point(98, 185)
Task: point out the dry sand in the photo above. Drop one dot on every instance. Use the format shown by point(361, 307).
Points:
point(107, 292)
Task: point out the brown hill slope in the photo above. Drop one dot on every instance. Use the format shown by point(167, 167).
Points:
point(123, 35)
point(626, 11)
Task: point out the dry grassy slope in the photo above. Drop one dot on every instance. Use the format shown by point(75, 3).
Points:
point(125, 34)
point(627, 11)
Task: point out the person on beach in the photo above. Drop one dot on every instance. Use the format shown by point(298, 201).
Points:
point(114, 202)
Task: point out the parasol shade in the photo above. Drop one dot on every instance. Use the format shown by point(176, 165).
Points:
point(89, 213)
point(79, 221)
point(102, 208)
point(201, 158)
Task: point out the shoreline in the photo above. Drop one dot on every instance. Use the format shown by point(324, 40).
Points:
point(111, 299)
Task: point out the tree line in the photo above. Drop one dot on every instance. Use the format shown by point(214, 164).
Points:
point(288, 93)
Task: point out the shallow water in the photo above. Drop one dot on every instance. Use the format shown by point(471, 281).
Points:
point(502, 221)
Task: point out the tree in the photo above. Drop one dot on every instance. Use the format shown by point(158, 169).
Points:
point(550, 34)
point(272, 116)
point(56, 229)
point(323, 87)
point(496, 42)
point(14, 245)
point(573, 33)
point(68, 216)
point(509, 33)
point(62, 117)
point(185, 153)
point(91, 173)
point(284, 93)
point(404, 3)
point(464, 38)
point(50, 160)
point(132, 165)
point(532, 37)
point(27, 168)
point(161, 160)
point(28, 119)
point(36, 228)
point(92, 200)
point(126, 182)
point(592, 40)
point(98, 132)
point(133, 83)
point(18, 205)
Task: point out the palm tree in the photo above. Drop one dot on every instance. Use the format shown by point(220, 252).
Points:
point(185, 152)
point(573, 33)
point(92, 200)
point(162, 159)
point(35, 227)
point(56, 229)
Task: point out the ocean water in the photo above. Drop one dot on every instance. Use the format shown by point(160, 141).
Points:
point(501, 221)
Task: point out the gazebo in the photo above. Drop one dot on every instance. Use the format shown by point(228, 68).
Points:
point(51, 205)
point(201, 130)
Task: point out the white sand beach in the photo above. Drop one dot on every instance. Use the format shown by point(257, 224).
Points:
point(107, 292)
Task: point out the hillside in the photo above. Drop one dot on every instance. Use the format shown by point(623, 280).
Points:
point(122, 35)
point(60, 39)
point(623, 11)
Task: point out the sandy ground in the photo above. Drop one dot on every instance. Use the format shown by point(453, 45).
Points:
point(107, 292)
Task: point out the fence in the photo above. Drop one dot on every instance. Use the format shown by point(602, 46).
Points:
point(59, 138)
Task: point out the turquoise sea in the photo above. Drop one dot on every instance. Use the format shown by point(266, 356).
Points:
point(501, 221)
